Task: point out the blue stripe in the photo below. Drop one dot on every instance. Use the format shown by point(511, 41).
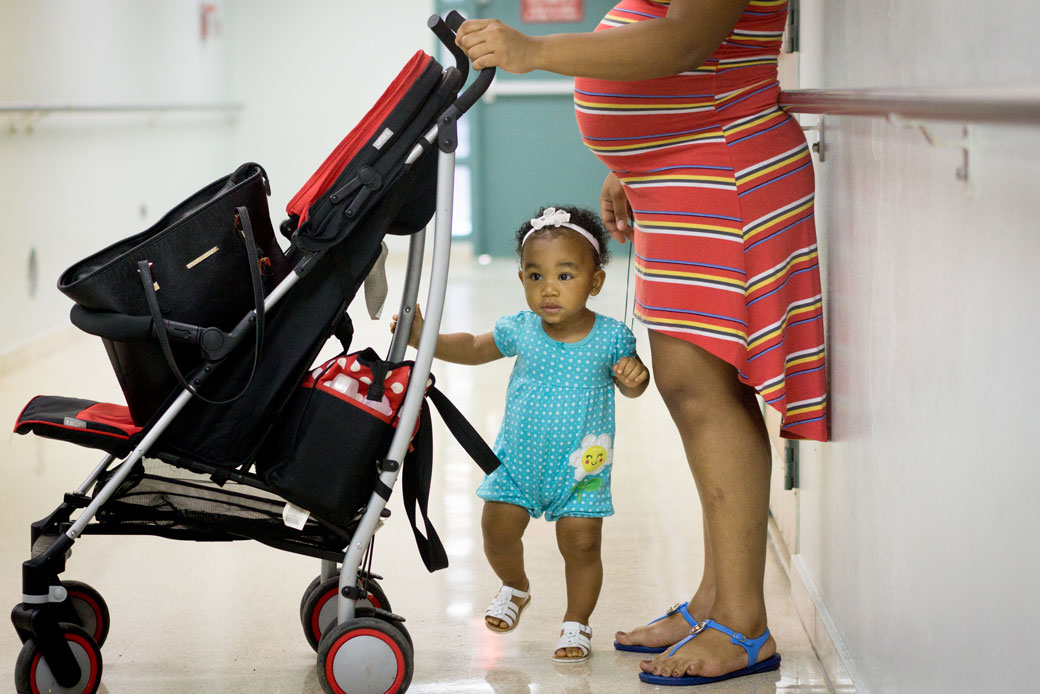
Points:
point(690, 262)
point(689, 214)
point(638, 14)
point(748, 96)
point(803, 219)
point(780, 344)
point(647, 137)
point(778, 178)
point(646, 96)
point(695, 313)
point(804, 371)
point(784, 283)
point(689, 166)
point(748, 137)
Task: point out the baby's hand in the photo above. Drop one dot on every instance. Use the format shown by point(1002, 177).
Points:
point(630, 372)
point(416, 331)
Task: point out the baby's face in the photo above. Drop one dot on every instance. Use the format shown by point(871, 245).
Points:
point(559, 273)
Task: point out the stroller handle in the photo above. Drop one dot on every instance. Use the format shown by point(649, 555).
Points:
point(445, 30)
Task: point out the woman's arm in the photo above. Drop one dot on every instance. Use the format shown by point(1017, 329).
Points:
point(679, 41)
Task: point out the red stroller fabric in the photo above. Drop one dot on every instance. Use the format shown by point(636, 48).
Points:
point(362, 133)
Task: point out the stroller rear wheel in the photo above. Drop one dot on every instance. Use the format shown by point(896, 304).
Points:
point(318, 606)
point(32, 674)
point(364, 656)
point(90, 608)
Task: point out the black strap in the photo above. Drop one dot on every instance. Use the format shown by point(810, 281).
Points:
point(148, 283)
point(464, 433)
point(418, 471)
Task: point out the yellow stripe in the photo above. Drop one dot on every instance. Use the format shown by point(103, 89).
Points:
point(693, 324)
point(688, 225)
point(766, 3)
point(810, 408)
point(772, 223)
point(691, 275)
point(804, 154)
point(623, 20)
point(661, 177)
point(741, 91)
point(664, 107)
point(757, 121)
point(783, 274)
point(783, 325)
point(655, 143)
point(806, 360)
point(763, 39)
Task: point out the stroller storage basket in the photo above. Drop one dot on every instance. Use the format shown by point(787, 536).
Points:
point(201, 267)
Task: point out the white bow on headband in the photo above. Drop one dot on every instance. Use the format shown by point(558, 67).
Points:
point(552, 217)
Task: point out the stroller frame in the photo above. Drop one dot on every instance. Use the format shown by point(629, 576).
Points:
point(37, 616)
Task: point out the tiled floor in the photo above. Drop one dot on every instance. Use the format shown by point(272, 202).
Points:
point(223, 618)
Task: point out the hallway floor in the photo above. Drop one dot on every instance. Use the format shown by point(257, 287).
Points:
point(219, 618)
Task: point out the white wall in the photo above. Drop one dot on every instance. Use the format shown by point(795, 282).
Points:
point(304, 73)
point(918, 522)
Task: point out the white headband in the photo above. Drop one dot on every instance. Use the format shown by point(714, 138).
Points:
point(553, 217)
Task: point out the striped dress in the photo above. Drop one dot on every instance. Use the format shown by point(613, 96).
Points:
point(720, 181)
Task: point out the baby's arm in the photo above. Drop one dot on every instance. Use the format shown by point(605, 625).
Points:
point(631, 376)
point(459, 348)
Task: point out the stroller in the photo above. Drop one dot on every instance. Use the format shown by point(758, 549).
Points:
point(213, 332)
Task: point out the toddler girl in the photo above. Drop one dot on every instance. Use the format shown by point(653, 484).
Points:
point(556, 439)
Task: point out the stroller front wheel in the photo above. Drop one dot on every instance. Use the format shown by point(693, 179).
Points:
point(33, 674)
point(318, 608)
point(364, 656)
point(90, 609)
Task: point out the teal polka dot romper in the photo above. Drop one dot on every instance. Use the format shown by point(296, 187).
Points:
point(556, 440)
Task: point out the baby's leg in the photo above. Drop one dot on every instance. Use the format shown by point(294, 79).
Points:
point(579, 540)
point(503, 526)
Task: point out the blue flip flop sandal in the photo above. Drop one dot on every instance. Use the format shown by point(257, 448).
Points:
point(678, 607)
point(752, 647)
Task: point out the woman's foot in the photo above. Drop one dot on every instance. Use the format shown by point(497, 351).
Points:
point(503, 614)
point(663, 632)
point(709, 654)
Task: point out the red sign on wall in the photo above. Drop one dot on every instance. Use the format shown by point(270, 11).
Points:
point(544, 11)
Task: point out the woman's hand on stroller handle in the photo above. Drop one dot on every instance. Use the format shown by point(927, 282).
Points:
point(416, 330)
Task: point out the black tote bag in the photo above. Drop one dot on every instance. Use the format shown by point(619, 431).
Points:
point(200, 264)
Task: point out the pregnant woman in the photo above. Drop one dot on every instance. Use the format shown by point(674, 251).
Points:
point(679, 101)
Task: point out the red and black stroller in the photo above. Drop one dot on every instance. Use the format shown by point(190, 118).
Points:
point(213, 332)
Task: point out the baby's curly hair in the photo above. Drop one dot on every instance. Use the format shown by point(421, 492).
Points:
point(580, 216)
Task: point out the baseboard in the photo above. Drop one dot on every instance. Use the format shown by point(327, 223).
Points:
point(826, 641)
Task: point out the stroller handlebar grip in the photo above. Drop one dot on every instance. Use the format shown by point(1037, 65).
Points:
point(476, 90)
point(446, 33)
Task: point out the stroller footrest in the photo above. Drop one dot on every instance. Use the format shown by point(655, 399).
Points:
point(100, 425)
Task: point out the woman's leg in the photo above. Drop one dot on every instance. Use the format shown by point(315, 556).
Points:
point(727, 448)
point(503, 526)
point(580, 540)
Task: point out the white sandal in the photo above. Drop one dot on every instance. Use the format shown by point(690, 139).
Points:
point(504, 609)
point(575, 635)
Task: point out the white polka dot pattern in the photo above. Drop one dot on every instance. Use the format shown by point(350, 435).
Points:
point(558, 394)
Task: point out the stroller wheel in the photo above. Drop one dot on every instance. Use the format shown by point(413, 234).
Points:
point(318, 607)
point(32, 674)
point(364, 656)
point(90, 608)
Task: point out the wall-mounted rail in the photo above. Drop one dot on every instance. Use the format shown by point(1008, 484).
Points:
point(1007, 105)
point(43, 109)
